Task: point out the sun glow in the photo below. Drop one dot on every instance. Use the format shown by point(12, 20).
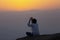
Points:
point(28, 4)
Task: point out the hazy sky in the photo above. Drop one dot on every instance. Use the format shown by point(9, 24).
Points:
point(16, 5)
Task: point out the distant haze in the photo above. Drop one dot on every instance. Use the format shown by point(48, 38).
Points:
point(14, 24)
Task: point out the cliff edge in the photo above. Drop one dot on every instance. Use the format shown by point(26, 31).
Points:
point(42, 37)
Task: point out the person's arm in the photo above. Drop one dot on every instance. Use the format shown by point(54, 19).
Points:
point(29, 24)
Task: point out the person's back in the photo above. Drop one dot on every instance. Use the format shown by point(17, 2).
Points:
point(33, 23)
point(35, 29)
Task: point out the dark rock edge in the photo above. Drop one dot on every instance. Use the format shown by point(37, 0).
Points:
point(55, 36)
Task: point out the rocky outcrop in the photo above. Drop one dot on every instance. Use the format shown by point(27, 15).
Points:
point(42, 37)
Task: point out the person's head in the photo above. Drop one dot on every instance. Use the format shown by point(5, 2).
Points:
point(34, 21)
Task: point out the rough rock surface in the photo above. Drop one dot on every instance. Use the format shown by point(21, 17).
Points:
point(42, 37)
